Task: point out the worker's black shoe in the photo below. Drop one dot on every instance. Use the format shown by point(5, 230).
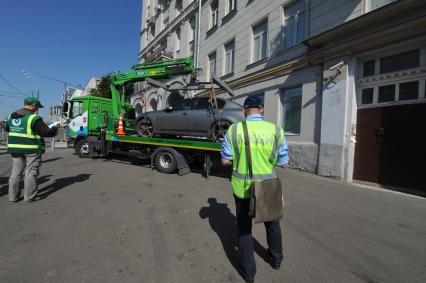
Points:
point(244, 275)
point(271, 261)
point(13, 201)
point(275, 266)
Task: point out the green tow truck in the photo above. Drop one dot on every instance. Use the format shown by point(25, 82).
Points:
point(92, 121)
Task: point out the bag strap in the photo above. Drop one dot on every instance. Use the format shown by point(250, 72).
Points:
point(247, 147)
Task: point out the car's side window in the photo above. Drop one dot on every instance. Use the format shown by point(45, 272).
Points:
point(203, 103)
point(188, 104)
point(178, 105)
point(220, 103)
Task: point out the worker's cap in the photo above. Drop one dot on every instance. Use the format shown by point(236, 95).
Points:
point(32, 100)
point(253, 101)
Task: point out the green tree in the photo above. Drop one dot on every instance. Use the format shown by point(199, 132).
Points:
point(103, 88)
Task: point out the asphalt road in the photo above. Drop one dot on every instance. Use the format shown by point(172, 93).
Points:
point(114, 221)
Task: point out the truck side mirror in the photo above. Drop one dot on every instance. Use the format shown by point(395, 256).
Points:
point(66, 110)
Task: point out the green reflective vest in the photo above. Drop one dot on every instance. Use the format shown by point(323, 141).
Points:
point(21, 138)
point(265, 140)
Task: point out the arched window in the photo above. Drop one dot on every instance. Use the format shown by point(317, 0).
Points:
point(138, 108)
point(153, 103)
point(174, 97)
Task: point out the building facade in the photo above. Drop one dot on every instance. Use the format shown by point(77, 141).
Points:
point(345, 79)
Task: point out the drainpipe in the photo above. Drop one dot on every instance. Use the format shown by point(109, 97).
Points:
point(197, 52)
point(319, 117)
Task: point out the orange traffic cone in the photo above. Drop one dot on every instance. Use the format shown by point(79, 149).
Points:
point(120, 131)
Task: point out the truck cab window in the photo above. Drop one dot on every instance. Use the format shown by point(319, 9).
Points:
point(77, 109)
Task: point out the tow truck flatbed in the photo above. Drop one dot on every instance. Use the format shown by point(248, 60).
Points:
point(189, 143)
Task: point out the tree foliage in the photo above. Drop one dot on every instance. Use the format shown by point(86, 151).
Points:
point(103, 88)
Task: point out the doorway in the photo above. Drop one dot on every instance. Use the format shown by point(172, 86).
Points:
point(391, 146)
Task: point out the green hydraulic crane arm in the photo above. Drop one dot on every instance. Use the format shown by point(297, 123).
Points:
point(158, 69)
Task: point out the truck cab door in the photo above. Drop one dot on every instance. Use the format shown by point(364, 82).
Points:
point(95, 117)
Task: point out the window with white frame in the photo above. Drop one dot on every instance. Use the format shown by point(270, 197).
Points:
point(294, 23)
point(229, 57)
point(165, 22)
point(214, 13)
point(191, 36)
point(392, 79)
point(231, 5)
point(178, 6)
point(375, 4)
point(177, 42)
point(212, 65)
point(153, 31)
point(260, 41)
point(291, 99)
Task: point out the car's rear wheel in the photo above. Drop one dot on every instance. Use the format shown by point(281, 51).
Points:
point(144, 128)
point(218, 130)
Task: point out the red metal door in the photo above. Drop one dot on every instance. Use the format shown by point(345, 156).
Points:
point(391, 146)
point(368, 145)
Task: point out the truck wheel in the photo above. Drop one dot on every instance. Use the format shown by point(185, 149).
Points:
point(82, 148)
point(165, 162)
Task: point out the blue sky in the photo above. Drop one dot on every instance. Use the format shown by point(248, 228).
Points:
point(69, 41)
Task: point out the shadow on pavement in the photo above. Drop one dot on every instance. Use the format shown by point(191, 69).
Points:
point(51, 159)
point(61, 183)
point(4, 182)
point(4, 186)
point(224, 223)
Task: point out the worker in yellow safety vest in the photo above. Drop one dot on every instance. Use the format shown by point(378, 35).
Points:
point(25, 143)
point(268, 149)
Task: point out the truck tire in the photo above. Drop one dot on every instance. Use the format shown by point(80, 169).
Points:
point(165, 162)
point(82, 148)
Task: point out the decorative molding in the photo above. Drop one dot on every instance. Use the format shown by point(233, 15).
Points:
point(391, 77)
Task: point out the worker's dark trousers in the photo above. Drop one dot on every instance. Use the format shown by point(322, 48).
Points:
point(245, 239)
